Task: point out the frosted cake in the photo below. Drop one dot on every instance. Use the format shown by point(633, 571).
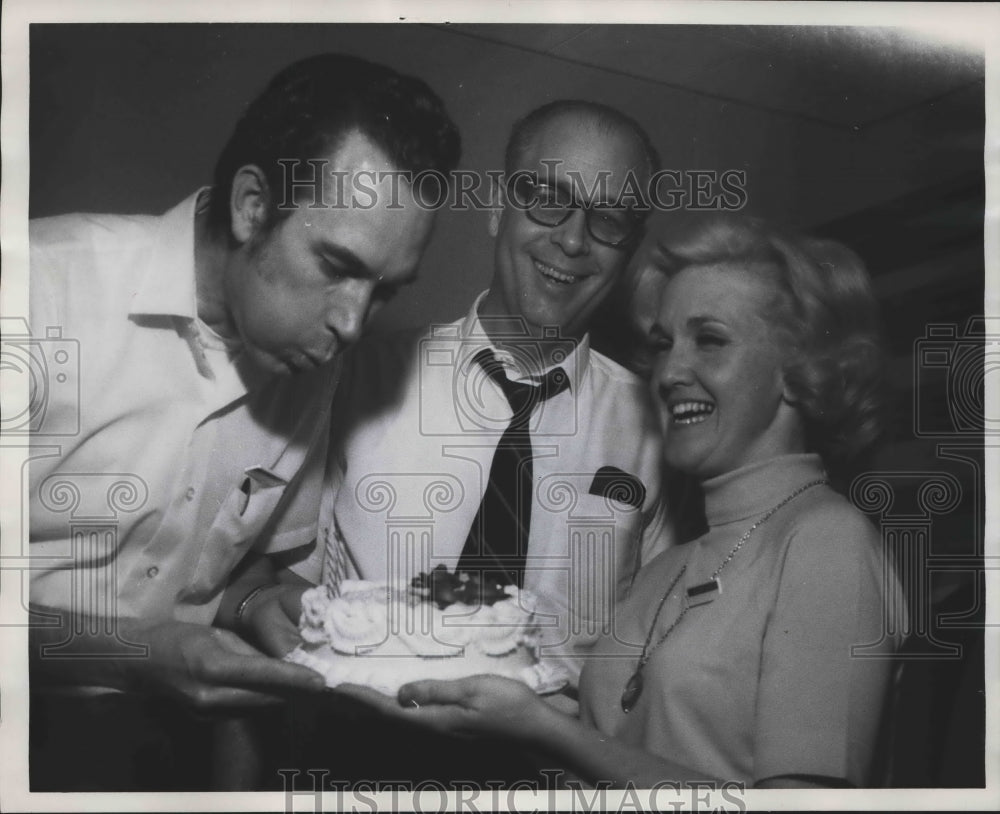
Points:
point(442, 626)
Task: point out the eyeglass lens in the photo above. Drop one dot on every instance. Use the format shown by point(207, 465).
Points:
point(550, 205)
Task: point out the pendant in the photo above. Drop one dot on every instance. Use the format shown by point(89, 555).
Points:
point(632, 691)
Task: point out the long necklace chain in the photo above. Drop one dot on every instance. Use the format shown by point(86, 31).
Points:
point(633, 689)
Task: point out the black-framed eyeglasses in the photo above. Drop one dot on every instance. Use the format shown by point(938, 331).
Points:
point(550, 205)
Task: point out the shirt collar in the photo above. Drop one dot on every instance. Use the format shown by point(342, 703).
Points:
point(757, 487)
point(168, 282)
point(474, 338)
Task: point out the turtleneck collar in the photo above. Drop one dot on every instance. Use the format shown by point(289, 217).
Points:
point(753, 489)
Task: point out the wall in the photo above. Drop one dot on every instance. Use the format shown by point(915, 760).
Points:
point(129, 118)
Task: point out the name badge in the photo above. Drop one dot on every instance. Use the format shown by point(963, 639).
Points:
point(703, 593)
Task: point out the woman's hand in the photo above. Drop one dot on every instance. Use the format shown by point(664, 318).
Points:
point(475, 706)
point(479, 706)
point(491, 706)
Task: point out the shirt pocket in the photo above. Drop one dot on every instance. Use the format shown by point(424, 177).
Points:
point(588, 501)
point(589, 542)
point(243, 516)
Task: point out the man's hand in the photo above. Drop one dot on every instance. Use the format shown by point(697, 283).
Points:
point(263, 605)
point(209, 667)
point(202, 664)
point(271, 620)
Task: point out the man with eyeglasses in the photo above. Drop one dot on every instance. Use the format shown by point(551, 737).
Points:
point(501, 444)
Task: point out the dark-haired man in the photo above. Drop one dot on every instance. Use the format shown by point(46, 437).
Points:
point(502, 443)
point(207, 342)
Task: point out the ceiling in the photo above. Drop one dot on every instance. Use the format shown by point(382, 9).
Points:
point(844, 77)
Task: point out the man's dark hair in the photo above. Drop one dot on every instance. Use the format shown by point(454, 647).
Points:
point(526, 129)
point(310, 106)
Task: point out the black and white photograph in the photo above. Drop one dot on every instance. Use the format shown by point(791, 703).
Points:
point(537, 406)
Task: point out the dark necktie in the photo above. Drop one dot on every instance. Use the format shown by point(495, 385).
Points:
point(498, 540)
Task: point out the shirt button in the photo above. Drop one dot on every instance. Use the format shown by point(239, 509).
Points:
point(152, 572)
point(189, 494)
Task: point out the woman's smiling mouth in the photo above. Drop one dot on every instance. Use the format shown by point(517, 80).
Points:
point(690, 412)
